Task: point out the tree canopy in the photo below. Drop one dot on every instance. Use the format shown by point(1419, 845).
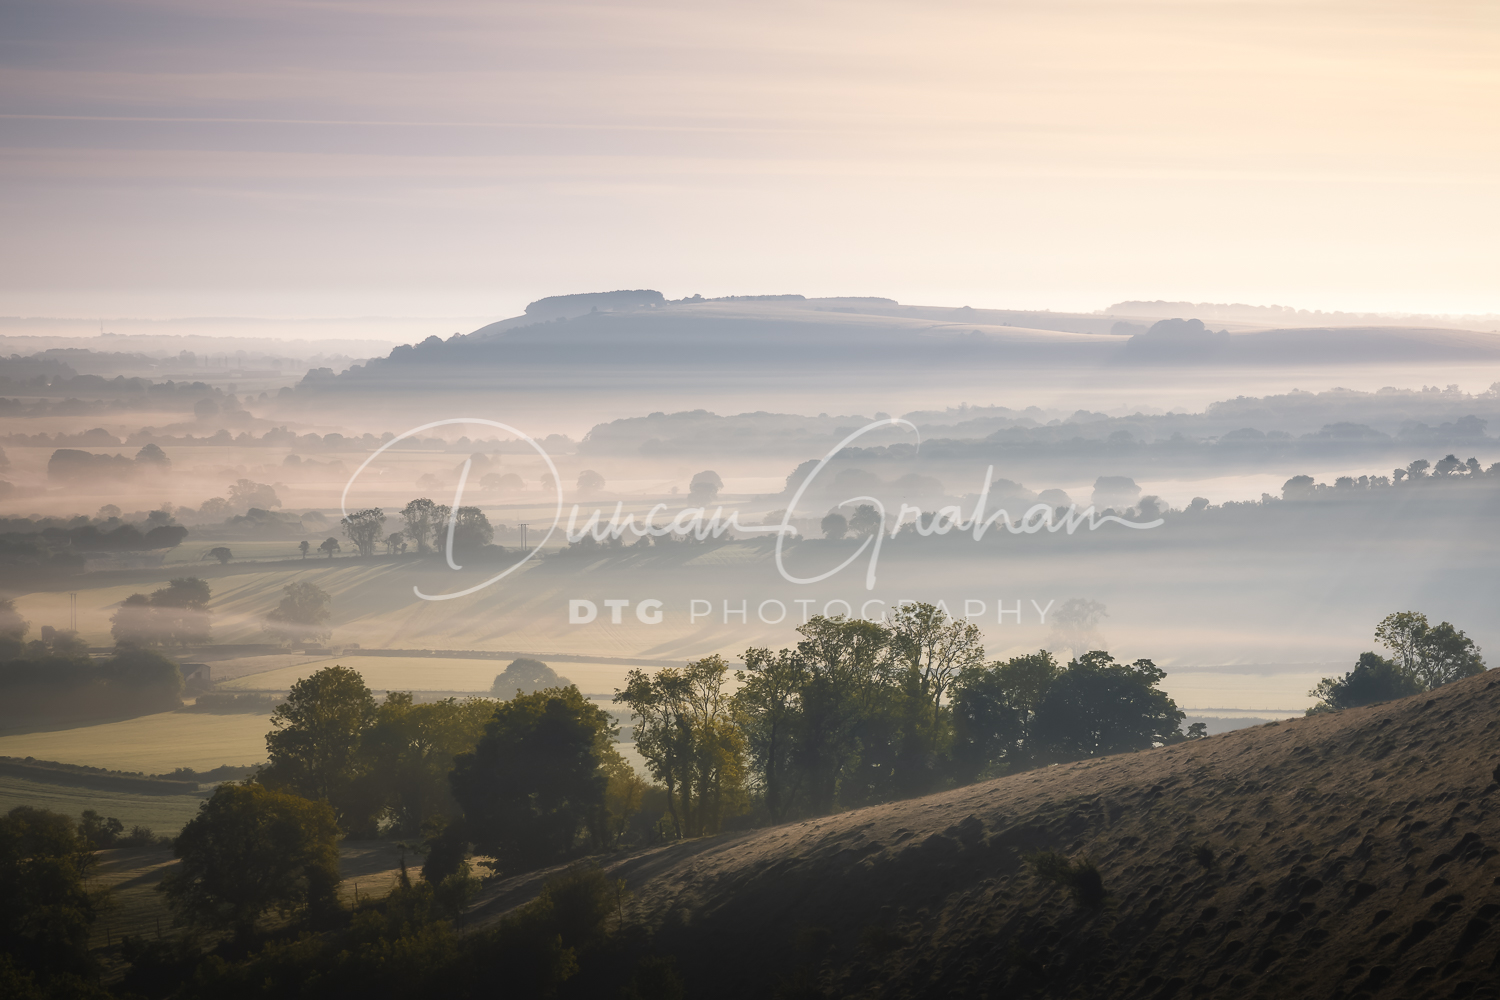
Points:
point(174, 615)
point(252, 850)
point(314, 746)
point(1424, 658)
point(302, 615)
point(525, 674)
point(1097, 707)
point(46, 904)
point(537, 778)
point(364, 529)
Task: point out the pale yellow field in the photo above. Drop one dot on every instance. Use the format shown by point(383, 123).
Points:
point(421, 673)
point(151, 744)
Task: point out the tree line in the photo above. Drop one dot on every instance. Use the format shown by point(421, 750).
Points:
point(856, 712)
point(425, 525)
point(54, 676)
point(860, 712)
point(1424, 657)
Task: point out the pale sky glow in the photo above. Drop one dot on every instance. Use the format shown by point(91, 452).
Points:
point(359, 158)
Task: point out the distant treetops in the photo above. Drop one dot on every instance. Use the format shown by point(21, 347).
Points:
point(1424, 657)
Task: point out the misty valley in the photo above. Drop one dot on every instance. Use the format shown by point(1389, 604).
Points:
point(1070, 670)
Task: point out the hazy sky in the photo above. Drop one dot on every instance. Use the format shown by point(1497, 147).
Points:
point(354, 158)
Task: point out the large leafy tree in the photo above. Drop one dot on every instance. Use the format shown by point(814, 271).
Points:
point(46, 904)
point(253, 850)
point(525, 674)
point(1097, 707)
point(537, 778)
point(421, 516)
point(934, 647)
point(364, 528)
point(411, 748)
point(768, 711)
point(848, 667)
point(993, 711)
point(302, 615)
point(1431, 655)
point(315, 746)
point(174, 615)
point(662, 735)
point(12, 624)
point(471, 530)
point(683, 727)
point(1374, 679)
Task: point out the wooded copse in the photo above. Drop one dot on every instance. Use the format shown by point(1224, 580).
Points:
point(860, 712)
point(54, 676)
point(856, 713)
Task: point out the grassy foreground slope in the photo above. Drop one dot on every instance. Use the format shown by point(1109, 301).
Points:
point(1352, 855)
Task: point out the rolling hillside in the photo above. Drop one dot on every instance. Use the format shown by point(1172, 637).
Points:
point(1348, 855)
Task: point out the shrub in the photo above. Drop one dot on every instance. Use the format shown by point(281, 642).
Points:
point(1081, 878)
point(655, 979)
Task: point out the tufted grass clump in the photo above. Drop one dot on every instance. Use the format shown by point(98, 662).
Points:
point(1081, 878)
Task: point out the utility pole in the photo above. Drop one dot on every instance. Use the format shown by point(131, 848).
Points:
point(523, 526)
point(73, 611)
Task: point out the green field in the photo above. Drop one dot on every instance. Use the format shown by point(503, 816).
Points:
point(369, 867)
point(192, 551)
point(427, 673)
point(164, 814)
point(151, 744)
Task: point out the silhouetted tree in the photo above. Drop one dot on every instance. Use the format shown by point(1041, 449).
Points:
point(245, 493)
point(363, 528)
point(46, 903)
point(314, 747)
point(865, 521)
point(993, 711)
point(682, 723)
point(410, 749)
point(535, 780)
point(471, 530)
point(704, 487)
point(847, 662)
point(1097, 707)
point(834, 525)
point(252, 850)
point(1373, 679)
point(12, 623)
point(1431, 655)
point(524, 675)
point(768, 712)
point(421, 515)
point(330, 546)
point(1297, 488)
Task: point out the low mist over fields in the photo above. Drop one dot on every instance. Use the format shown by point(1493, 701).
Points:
point(934, 526)
point(749, 502)
point(128, 468)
